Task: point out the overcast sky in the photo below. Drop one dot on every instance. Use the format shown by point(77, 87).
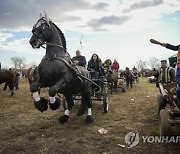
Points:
point(115, 29)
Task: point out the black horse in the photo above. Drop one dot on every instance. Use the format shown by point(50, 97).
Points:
point(57, 72)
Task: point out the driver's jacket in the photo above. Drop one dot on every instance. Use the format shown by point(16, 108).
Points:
point(177, 70)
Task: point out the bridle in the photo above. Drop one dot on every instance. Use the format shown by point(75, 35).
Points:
point(57, 45)
point(40, 40)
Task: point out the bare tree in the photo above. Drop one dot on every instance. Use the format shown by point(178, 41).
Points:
point(18, 62)
point(154, 62)
point(142, 64)
point(33, 64)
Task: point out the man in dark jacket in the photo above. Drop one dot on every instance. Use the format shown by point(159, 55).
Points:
point(79, 59)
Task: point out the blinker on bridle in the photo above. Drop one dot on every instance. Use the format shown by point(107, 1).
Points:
point(35, 27)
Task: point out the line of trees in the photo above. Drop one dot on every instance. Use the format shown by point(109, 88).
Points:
point(152, 63)
point(20, 63)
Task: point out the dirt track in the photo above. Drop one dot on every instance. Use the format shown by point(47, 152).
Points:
point(23, 129)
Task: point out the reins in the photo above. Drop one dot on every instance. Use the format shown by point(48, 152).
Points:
point(57, 45)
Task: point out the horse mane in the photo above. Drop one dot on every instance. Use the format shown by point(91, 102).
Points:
point(62, 37)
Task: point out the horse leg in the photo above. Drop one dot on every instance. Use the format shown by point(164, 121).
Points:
point(54, 89)
point(131, 83)
point(111, 87)
point(39, 102)
point(5, 86)
point(115, 86)
point(54, 102)
point(86, 104)
point(11, 87)
point(89, 118)
point(30, 82)
point(70, 102)
point(127, 83)
point(83, 105)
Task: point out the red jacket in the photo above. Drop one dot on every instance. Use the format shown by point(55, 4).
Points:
point(115, 66)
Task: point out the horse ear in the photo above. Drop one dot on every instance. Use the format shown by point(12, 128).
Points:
point(40, 15)
point(45, 15)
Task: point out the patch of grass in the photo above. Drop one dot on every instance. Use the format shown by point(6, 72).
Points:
point(154, 131)
point(23, 129)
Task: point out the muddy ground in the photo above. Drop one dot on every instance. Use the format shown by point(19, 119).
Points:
point(23, 129)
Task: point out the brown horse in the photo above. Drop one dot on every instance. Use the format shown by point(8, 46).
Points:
point(112, 80)
point(107, 64)
point(32, 75)
point(7, 77)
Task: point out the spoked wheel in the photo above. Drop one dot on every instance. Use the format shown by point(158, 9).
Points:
point(161, 103)
point(105, 99)
point(164, 125)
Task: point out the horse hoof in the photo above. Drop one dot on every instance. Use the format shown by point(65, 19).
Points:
point(81, 110)
point(55, 105)
point(89, 119)
point(63, 119)
point(41, 105)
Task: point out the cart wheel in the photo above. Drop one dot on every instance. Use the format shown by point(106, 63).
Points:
point(161, 102)
point(164, 125)
point(105, 103)
point(105, 98)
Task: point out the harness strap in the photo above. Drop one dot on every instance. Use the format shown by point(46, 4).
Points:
point(77, 72)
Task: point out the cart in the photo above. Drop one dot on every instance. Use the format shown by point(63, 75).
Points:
point(122, 84)
point(98, 93)
point(168, 110)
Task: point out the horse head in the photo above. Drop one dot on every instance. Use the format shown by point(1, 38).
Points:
point(46, 32)
point(41, 33)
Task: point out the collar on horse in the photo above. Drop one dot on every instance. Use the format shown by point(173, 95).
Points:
point(52, 57)
point(57, 45)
